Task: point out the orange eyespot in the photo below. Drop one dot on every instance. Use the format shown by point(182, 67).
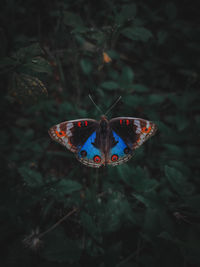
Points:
point(60, 133)
point(106, 58)
point(97, 159)
point(138, 140)
point(146, 130)
point(114, 157)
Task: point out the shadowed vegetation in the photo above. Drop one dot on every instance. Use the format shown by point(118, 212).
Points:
point(57, 212)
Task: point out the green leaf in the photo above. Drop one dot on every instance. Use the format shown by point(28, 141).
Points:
point(170, 10)
point(174, 150)
point(136, 33)
point(141, 180)
point(154, 99)
point(86, 66)
point(182, 122)
point(134, 100)
point(166, 236)
point(31, 177)
point(151, 222)
point(193, 202)
point(178, 181)
point(109, 85)
point(150, 200)
point(74, 20)
point(7, 62)
point(28, 52)
point(117, 211)
point(89, 224)
point(66, 186)
point(140, 88)
point(127, 13)
point(59, 248)
point(39, 64)
point(162, 36)
point(126, 77)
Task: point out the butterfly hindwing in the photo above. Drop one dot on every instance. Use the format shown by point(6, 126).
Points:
point(89, 154)
point(120, 152)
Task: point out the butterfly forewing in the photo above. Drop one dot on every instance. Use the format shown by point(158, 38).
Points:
point(73, 134)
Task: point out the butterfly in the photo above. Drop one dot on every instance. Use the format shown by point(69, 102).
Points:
point(100, 143)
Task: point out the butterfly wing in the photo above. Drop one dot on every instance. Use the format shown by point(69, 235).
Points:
point(90, 153)
point(79, 136)
point(129, 133)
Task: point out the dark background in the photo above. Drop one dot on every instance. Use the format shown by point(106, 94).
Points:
point(142, 213)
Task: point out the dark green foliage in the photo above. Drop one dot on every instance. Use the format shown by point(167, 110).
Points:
point(57, 212)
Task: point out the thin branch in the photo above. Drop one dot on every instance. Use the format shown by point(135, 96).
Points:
point(58, 222)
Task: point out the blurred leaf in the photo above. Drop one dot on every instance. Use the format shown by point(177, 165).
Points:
point(166, 236)
point(31, 177)
point(109, 85)
point(74, 20)
point(86, 66)
point(170, 10)
point(137, 178)
point(134, 100)
point(99, 37)
point(141, 181)
point(59, 248)
point(181, 122)
point(174, 150)
point(25, 87)
point(162, 36)
point(150, 200)
point(154, 99)
point(7, 62)
point(193, 202)
point(178, 181)
point(89, 224)
point(39, 64)
point(136, 33)
point(127, 13)
point(140, 88)
point(151, 222)
point(126, 77)
point(66, 186)
point(117, 212)
point(28, 52)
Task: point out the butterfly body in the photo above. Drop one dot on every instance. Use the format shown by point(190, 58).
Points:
point(100, 143)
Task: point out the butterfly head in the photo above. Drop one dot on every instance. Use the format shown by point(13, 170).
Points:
point(104, 118)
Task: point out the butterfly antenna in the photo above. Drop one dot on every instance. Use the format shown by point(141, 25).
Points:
point(95, 104)
point(113, 104)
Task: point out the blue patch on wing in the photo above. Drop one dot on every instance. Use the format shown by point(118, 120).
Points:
point(90, 148)
point(118, 149)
